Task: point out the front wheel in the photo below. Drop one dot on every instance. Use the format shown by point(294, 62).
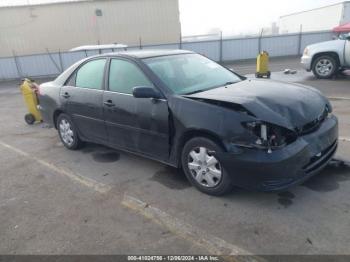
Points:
point(324, 67)
point(203, 168)
point(68, 133)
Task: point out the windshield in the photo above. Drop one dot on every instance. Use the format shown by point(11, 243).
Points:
point(190, 73)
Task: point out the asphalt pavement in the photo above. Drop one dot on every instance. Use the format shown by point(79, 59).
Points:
point(101, 201)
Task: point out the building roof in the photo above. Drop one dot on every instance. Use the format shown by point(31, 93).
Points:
point(33, 3)
point(149, 53)
point(98, 47)
point(14, 3)
point(340, 3)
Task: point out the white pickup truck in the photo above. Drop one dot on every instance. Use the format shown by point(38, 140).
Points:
point(325, 59)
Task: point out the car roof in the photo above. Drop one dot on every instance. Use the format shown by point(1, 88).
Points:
point(148, 53)
point(139, 54)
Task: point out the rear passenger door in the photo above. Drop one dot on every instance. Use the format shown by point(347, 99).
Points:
point(82, 99)
point(135, 124)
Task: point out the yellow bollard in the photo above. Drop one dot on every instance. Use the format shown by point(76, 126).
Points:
point(28, 89)
point(262, 65)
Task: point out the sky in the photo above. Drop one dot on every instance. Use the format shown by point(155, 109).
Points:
point(231, 16)
point(238, 16)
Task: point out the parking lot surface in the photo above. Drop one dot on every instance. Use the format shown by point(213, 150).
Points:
point(101, 201)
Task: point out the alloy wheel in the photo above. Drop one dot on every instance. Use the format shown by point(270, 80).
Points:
point(324, 67)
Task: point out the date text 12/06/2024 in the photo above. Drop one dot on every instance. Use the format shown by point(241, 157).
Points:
point(174, 258)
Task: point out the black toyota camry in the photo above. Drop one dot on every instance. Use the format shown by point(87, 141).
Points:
point(184, 110)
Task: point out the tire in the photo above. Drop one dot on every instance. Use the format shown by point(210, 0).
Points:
point(29, 118)
point(324, 67)
point(202, 174)
point(68, 132)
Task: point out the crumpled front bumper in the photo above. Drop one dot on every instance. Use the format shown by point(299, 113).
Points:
point(258, 170)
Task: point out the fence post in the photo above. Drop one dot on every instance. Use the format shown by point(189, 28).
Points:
point(300, 39)
point(53, 60)
point(60, 60)
point(180, 43)
point(221, 58)
point(140, 42)
point(18, 67)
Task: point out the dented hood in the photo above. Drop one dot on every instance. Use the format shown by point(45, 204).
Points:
point(284, 104)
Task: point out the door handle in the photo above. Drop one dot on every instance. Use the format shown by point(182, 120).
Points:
point(66, 95)
point(109, 103)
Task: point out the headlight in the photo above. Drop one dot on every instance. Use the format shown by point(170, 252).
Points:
point(328, 111)
point(306, 51)
point(269, 136)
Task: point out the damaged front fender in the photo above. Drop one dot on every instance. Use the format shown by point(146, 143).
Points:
point(206, 119)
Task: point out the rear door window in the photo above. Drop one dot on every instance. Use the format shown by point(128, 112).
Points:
point(90, 75)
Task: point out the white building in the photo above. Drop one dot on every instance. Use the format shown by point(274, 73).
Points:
point(271, 30)
point(30, 29)
point(319, 19)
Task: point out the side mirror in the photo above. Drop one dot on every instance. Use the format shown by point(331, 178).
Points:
point(145, 92)
point(347, 36)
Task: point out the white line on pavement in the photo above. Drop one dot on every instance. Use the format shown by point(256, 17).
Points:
point(345, 139)
point(338, 98)
point(97, 186)
point(212, 244)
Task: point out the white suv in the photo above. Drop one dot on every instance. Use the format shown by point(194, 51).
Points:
point(327, 58)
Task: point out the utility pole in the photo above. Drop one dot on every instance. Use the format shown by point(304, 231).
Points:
point(221, 57)
point(300, 39)
point(260, 38)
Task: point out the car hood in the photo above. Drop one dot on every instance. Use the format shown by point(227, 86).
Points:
point(288, 105)
point(333, 45)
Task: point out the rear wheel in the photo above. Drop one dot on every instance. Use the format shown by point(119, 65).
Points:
point(68, 133)
point(324, 67)
point(203, 168)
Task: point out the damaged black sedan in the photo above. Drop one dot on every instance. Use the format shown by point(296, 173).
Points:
point(182, 109)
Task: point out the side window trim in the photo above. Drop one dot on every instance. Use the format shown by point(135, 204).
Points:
point(71, 79)
point(126, 60)
point(73, 75)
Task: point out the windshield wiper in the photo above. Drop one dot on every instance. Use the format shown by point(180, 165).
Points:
point(197, 91)
point(202, 90)
point(230, 83)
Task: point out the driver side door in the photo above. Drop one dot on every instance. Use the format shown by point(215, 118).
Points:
point(135, 124)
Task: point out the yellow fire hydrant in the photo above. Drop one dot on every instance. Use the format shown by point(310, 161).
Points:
point(262, 65)
point(29, 91)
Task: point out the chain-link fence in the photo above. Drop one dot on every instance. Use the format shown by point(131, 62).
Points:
point(220, 50)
